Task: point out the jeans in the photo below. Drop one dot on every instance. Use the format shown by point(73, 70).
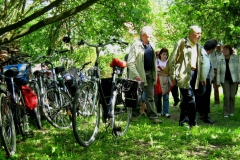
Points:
point(158, 103)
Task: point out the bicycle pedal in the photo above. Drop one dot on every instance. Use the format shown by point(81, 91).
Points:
point(29, 134)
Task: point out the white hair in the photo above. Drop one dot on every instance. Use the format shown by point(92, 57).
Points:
point(146, 30)
point(194, 28)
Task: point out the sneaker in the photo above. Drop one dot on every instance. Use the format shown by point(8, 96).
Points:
point(231, 115)
point(156, 121)
point(225, 116)
point(167, 115)
point(159, 114)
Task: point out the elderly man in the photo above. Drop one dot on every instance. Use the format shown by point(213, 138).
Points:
point(186, 72)
point(142, 67)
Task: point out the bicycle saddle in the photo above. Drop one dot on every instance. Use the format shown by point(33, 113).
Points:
point(11, 72)
point(59, 69)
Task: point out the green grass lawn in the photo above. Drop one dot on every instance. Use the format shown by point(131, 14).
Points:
point(144, 140)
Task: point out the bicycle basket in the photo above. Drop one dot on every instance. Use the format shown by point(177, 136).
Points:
point(133, 91)
point(22, 78)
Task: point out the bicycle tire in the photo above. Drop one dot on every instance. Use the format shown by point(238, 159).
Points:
point(57, 114)
point(37, 110)
point(21, 115)
point(86, 114)
point(7, 127)
point(120, 116)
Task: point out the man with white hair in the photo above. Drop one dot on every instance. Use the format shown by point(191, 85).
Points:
point(142, 67)
point(186, 72)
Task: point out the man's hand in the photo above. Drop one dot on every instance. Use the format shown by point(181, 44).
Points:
point(174, 82)
point(138, 78)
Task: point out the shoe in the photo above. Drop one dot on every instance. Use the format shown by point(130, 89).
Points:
point(156, 121)
point(144, 114)
point(208, 120)
point(134, 119)
point(159, 114)
point(176, 103)
point(231, 115)
point(225, 116)
point(167, 115)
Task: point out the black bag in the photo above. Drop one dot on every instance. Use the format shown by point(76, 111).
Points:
point(133, 92)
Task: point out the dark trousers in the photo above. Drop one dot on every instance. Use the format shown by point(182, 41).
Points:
point(188, 106)
point(158, 102)
point(203, 102)
point(175, 94)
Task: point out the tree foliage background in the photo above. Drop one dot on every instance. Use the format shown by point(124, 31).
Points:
point(38, 26)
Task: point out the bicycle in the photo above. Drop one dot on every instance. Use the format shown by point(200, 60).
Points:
point(13, 117)
point(7, 126)
point(56, 102)
point(93, 93)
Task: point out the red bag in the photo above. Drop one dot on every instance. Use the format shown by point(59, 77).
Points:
point(30, 97)
point(157, 87)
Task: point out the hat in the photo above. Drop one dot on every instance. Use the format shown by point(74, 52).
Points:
point(201, 89)
point(219, 44)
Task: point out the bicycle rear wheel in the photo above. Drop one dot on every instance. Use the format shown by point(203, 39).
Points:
point(7, 127)
point(86, 114)
point(57, 108)
point(120, 116)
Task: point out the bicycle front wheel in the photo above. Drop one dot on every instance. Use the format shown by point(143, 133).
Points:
point(7, 127)
point(121, 116)
point(57, 108)
point(86, 114)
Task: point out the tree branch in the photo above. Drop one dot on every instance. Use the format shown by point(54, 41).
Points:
point(29, 18)
point(47, 21)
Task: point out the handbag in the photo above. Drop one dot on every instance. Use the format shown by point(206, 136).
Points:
point(157, 87)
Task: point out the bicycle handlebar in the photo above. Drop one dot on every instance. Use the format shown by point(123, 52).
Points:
point(83, 66)
point(114, 40)
point(16, 59)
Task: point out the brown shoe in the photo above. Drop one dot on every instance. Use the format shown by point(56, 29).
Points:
point(156, 121)
point(134, 119)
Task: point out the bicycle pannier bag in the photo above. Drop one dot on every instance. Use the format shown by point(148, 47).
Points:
point(22, 78)
point(30, 97)
point(133, 92)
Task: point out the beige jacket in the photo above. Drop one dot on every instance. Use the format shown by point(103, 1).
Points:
point(136, 62)
point(181, 71)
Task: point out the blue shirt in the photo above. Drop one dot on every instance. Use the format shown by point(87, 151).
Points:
point(148, 57)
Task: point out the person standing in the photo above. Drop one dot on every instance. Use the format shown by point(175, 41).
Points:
point(213, 58)
point(142, 67)
point(163, 84)
point(228, 76)
point(186, 72)
point(203, 101)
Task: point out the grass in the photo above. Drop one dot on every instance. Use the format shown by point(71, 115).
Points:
point(144, 140)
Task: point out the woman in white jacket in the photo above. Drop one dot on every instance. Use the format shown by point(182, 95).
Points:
point(228, 76)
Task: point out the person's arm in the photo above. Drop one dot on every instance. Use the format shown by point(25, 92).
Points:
point(132, 60)
point(218, 79)
point(172, 62)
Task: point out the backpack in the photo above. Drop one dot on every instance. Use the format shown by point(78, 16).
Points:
point(30, 97)
point(182, 45)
